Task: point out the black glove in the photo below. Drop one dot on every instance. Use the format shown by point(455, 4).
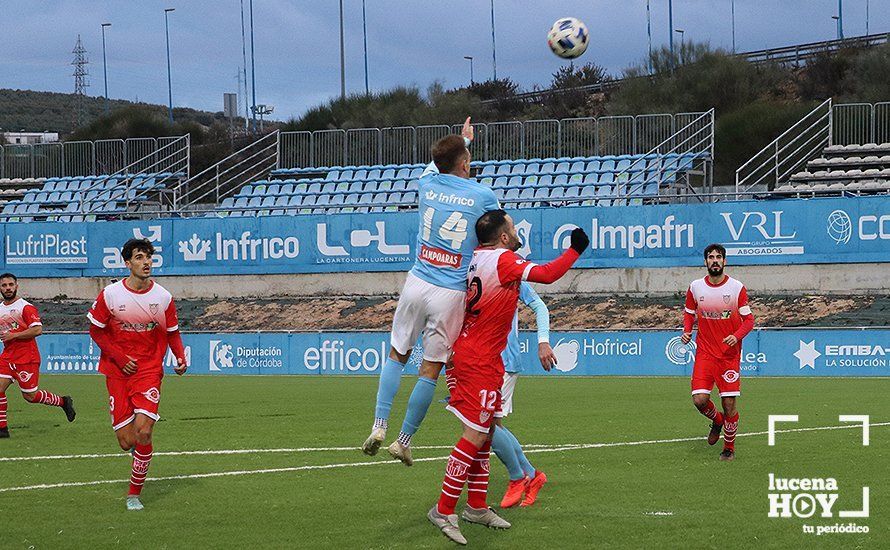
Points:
point(579, 240)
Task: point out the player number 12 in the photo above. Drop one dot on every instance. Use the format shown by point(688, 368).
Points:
point(487, 399)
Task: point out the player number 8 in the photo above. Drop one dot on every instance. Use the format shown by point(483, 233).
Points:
point(454, 229)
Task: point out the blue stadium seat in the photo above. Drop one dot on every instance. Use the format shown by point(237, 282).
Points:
point(503, 169)
point(546, 180)
point(604, 191)
point(607, 165)
point(259, 190)
point(500, 182)
point(227, 203)
point(518, 169)
point(588, 191)
point(287, 189)
point(561, 179)
point(409, 198)
point(548, 168)
point(527, 193)
point(281, 200)
point(322, 200)
point(576, 178)
point(562, 168)
point(541, 192)
point(592, 166)
point(572, 192)
point(416, 172)
point(371, 186)
point(374, 174)
point(328, 187)
point(400, 185)
point(388, 174)
point(294, 200)
point(255, 202)
point(360, 174)
point(351, 199)
point(531, 180)
point(489, 170)
point(342, 187)
point(309, 200)
point(499, 193)
point(385, 185)
point(403, 174)
point(607, 177)
point(622, 165)
point(268, 200)
point(412, 185)
point(273, 189)
point(333, 175)
point(511, 194)
point(337, 200)
point(532, 168)
point(515, 181)
point(577, 166)
point(591, 178)
point(557, 192)
point(301, 188)
point(355, 187)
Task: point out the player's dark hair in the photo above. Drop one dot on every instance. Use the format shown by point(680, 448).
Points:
point(712, 247)
point(490, 225)
point(447, 152)
point(9, 276)
point(142, 245)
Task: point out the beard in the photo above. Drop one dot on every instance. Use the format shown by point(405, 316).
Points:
point(9, 295)
point(515, 245)
point(715, 271)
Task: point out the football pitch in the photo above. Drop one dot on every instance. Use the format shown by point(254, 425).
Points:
point(274, 462)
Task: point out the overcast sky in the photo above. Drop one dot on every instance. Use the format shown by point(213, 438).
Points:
point(410, 42)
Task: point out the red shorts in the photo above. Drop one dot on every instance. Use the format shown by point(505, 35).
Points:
point(475, 394)
point(26, 375)
point(708, 371)
point(136, 394)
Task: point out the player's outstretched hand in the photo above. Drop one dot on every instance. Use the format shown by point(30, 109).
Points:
point(131, 366)
point(180, 367)
point(686, 338)
point(579, 240)
point(467, 131)
point(546, 355)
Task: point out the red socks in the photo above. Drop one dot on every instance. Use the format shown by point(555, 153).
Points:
point(730, 426)
point(2, 410)
point(48, 398)
point(711, 412)
point(477, 481)
point(141, 460)
point(459, 465)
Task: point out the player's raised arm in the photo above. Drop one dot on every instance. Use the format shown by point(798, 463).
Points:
point(515, 268)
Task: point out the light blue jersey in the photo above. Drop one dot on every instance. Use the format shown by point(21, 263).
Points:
point(511, 354)
point(449, 208)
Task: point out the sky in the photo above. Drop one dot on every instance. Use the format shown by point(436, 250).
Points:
point(410, 42)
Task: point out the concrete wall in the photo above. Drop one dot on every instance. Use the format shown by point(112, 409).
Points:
point(787, 279)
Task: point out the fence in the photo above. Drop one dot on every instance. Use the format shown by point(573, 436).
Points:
point(78, 158)
point(571, 137)
point(827, 124)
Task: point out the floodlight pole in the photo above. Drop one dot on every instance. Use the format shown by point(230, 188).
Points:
point(169, 76)
point(494, 49)
point(365, 35)
point(252, 68)
point(733, 25)
point(671, 30)
point(342, 57)
point(105, 65)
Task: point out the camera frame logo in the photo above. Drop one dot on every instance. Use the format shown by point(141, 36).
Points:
point(679, 353)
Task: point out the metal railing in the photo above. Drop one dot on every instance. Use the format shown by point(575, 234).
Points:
point(124, 185)
point(77, 158)
point(207, 188)
point(828, 124)
point(792, 149)
point(690, 147)
point(608, 135)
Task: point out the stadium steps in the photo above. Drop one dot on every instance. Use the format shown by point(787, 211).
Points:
point(843, 170)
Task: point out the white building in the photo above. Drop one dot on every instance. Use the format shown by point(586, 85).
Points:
point(30, 138)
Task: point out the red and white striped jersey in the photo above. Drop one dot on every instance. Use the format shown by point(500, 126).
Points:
point(719, 309)
point(139, 323)
point(492, 294)
point(19, 316)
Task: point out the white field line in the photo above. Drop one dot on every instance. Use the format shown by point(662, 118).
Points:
point(227, 452)
point(539, 449)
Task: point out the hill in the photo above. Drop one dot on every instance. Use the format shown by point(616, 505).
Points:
point(33, 111)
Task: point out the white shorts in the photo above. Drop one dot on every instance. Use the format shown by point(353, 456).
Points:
point(436, 312)
point(507, 389)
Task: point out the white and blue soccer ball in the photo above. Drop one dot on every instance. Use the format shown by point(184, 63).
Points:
point(568, 38)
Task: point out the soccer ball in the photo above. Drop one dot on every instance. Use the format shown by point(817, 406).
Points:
point(568, 38)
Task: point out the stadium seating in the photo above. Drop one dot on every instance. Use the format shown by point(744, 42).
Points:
point(65, 199)
point(843, 170)
point(521, 183)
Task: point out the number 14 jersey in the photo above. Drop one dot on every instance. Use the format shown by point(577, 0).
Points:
point(449, 209)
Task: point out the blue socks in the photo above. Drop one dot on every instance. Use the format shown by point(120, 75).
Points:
point(520, 455)
point(390, 376)
point(418, 405)
point(502, 443)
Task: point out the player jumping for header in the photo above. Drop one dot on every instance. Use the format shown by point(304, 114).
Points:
point(432, 299)
point(476, 371)
point(724, 319)
point(525, 480)
point(20, 361)
point(133, 322)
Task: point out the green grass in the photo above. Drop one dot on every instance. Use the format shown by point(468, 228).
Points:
point(597, 498)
